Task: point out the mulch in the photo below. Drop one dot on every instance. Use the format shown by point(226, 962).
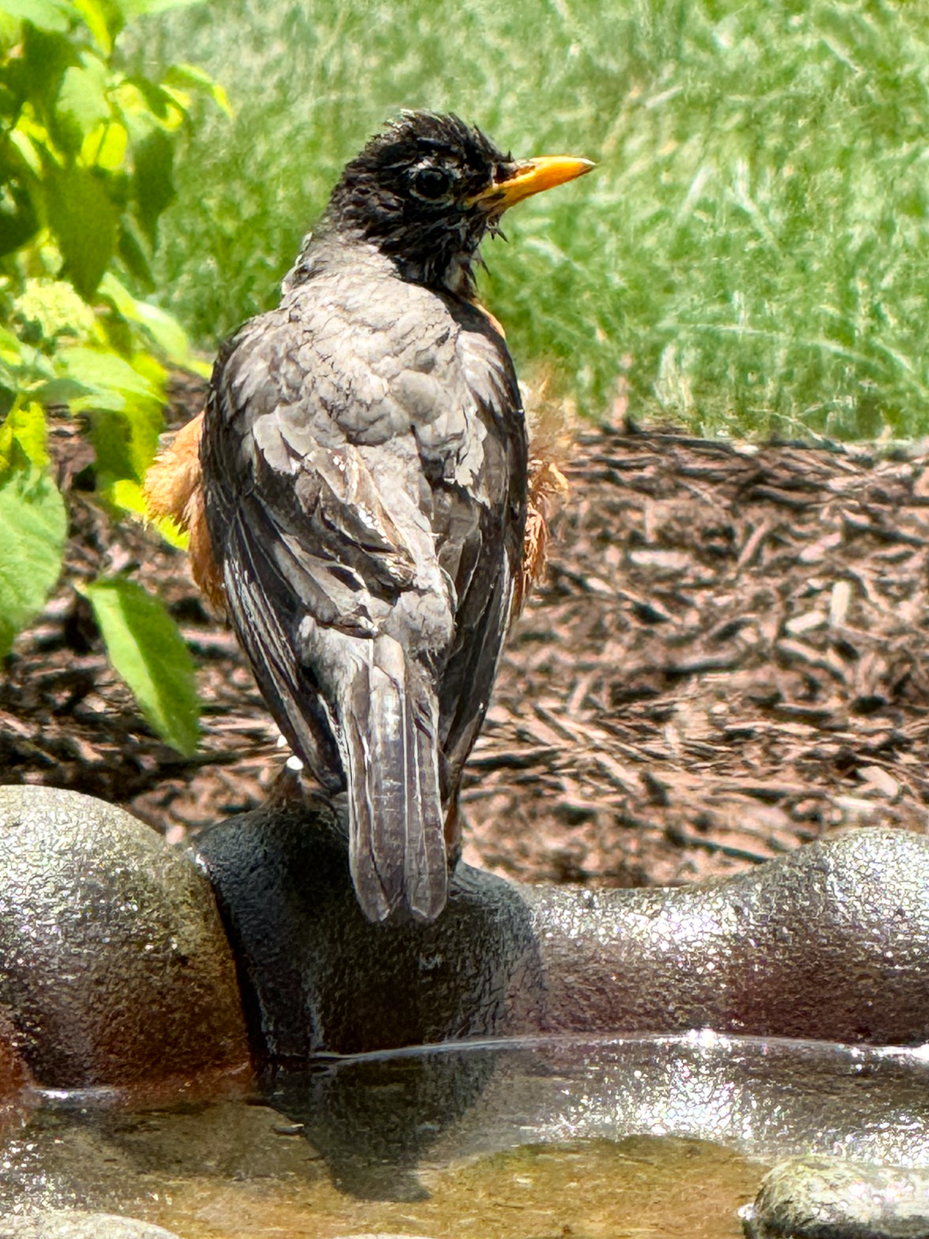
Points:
point(727, 657)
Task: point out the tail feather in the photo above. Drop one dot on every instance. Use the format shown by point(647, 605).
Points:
point(396, 839)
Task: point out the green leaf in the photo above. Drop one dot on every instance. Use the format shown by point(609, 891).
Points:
point(125, 442)
point(145, 99)
point(106, 372)
point(18, 218)
point(111, 435)
point(167, 331)
point(11, 350)
point(26, 149)
point(98, 17)
point(81, 102)
point(153, 184)
point(126, 408)
point(22, 438)
point(133, 255)
point(147, 650)
point(50, 312)
point(133, 8)
point(164, 329)
point(46, 54)
point(105, 146)
point(58, 392)
point(85, 222)
point(34, 524)
point(45, 14)
point(129, 497)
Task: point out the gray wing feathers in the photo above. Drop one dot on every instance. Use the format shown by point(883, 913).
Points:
point(390, 755)
point(382, 717)
point(252, 589)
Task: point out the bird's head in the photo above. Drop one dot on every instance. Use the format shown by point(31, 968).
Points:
point(427, 190)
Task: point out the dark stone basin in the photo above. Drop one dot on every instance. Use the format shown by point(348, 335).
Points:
point(831, 943)
point(558, 1017)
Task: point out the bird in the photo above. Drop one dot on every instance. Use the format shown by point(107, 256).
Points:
point(356, 494)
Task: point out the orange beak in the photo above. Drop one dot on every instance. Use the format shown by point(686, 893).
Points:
point(530, 178)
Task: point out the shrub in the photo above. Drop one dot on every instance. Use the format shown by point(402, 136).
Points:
point(86, 161)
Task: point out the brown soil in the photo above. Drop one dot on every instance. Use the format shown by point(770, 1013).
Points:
point(727, 657)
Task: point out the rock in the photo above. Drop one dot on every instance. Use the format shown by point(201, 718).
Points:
point(69, 1225)
point(320, 976)
point(829, 943)
point(822, 1198)
point(14, 1074)
point(82, 1154)
point(114, 967)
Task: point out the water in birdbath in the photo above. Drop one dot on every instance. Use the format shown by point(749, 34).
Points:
point(551, 1138)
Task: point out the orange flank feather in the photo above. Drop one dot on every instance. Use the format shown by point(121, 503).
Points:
point(174, 488)
point(491, 318)
point(550, 423)
point(547, 485)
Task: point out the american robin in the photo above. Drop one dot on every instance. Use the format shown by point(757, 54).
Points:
point(362, 504)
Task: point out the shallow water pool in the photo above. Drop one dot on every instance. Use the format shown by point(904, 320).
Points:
point(549, 1138)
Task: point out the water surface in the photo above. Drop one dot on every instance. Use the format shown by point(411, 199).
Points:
point(548, 1139)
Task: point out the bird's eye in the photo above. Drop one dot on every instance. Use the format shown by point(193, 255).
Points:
point(431, 183)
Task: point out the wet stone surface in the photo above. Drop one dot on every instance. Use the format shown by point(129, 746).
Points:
point(236, 1171)
point(115, 966)
point(828, 1199)
point(829, 943)
point(74, 1225)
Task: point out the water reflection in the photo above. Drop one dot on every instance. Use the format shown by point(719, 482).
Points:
point(765, 1098)
point(376, 1117)
point(374, 1141)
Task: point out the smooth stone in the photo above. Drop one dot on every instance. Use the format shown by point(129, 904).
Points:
point(829, 943)
point(70, 1225)
point(823, 1198)
point(318, 976)
point(15, 1076)
point(114, 967)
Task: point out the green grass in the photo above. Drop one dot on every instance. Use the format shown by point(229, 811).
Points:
point(752, 253)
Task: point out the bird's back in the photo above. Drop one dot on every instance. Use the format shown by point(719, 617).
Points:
point(364, 461)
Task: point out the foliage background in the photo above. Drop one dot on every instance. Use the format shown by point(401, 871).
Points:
point(751, 254)
point(86, 157)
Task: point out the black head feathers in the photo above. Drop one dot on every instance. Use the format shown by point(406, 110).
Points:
point(426, 191)
point(412, 191)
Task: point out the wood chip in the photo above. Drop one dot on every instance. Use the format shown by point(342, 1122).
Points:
point(839, 600)
point(664, 562)
point(807, 622)
point(880, 780)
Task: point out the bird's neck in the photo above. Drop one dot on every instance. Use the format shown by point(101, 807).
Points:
point(453, 277)
point(443, 272)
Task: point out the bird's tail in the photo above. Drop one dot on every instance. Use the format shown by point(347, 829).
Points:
point(390, 752)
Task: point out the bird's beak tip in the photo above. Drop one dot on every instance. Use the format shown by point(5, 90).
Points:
point(532, 176)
